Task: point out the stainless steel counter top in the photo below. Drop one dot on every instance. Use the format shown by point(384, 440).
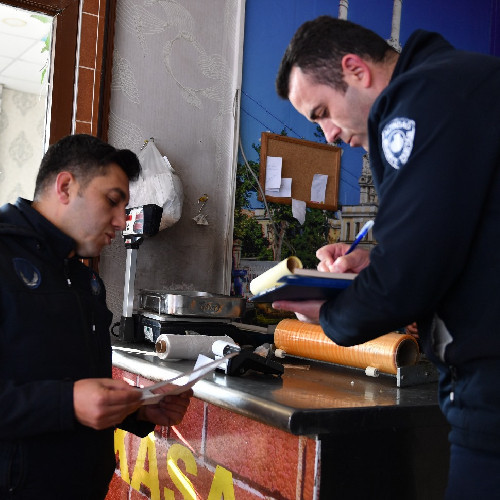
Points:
point(309, 398)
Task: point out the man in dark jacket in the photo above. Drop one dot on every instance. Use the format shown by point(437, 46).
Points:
point(429, 118)
point(58, 403)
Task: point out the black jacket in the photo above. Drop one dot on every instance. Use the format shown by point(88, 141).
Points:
point(54, 329)
point(434, 136)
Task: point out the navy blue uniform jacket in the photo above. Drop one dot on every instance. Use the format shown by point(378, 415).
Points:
point(54, 329)
point(434, 138)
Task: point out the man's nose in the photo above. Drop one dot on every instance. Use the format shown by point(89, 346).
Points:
point(331, 131)
point(119, 220)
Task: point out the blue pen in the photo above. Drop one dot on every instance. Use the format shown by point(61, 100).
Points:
point(360, 235)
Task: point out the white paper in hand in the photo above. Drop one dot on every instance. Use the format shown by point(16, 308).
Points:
point(183, 382)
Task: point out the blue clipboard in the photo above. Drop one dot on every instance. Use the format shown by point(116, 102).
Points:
point(296, 287)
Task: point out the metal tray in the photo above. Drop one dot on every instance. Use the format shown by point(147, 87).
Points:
point(191, 303)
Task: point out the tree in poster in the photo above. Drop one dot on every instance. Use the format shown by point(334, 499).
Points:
point(246, 227)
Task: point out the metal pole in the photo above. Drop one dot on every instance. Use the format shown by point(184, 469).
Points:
point(396, 25)
point(343, 8)
point(128, 291)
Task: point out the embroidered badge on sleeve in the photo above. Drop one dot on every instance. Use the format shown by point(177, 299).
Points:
point(27, 272)
point(397, 141)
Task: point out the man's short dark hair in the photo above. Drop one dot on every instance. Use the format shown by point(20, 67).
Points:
point(318, 46)
point(86, 157)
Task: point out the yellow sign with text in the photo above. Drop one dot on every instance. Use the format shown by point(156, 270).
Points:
point(146, 471)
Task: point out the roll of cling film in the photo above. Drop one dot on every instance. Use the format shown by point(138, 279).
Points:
point(385, 354)
point(171, 346)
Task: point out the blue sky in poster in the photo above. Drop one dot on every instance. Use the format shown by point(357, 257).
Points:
point(270, 24)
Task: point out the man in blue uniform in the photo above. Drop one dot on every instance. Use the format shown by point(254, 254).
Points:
point(58, 403)
point(429, 118)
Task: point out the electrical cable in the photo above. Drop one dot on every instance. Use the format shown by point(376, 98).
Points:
point(269, 113)
point(268, 211)
point(256, 119)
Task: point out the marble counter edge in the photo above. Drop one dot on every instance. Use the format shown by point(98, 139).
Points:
point(210, 391)
point(216, 389)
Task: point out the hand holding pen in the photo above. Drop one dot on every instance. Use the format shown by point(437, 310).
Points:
point(335, 258)
point(364, 231)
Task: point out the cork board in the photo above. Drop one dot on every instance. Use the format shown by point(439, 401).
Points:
point(302, 159)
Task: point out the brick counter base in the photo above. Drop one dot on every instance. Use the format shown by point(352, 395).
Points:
point(213, 454)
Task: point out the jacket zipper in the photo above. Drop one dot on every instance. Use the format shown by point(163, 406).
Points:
point(454, 377)
point(66, 273)
point(90, 355)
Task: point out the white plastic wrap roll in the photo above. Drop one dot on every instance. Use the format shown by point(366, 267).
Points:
point(219, 345)
point(171, 346)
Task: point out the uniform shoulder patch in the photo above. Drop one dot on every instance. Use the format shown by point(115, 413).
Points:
point(27, 272)
point(397, 141)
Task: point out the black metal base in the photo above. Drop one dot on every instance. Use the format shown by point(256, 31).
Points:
point(129, 331)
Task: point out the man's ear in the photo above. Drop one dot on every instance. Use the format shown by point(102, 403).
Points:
point(64, 186)
point(356, 71)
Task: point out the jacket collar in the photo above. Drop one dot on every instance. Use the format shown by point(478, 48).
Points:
point(51, 236)
point(421, 46)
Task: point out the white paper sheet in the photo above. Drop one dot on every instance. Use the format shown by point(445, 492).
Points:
point(183, 382)
point(299, 210)
point(318, 188)
point(273, 172)
point(285, 190)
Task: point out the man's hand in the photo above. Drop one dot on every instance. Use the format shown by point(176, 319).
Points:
point(169, 411)
point(412, 330)
point(333, 259)
point(103, 402)
point(305, 310)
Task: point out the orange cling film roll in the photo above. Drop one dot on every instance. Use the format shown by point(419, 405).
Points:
point(386, 353)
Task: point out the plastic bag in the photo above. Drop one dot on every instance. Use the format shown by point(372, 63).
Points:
point(158, 184)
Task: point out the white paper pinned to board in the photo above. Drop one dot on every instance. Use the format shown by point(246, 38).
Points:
point(273, 173)
point(318, 188)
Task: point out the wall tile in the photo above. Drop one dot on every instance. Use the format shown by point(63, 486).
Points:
point(101, 26)
point(85, 95)
point(135, 495)
point(83, 128)
point(93, 6)
point(246, 493)
point(91, 46)
point(144, 382)
point(117, 489)
point(88, 41)
point(247, 448)
point(191, 427)
point(122, 374)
